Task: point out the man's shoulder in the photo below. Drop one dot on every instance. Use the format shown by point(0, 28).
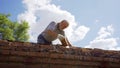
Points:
point(51, 26)
point(52, 23)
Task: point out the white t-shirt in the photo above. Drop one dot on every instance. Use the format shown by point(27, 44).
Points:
point(53, 27)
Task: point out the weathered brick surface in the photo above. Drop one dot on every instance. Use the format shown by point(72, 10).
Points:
point(32, 55)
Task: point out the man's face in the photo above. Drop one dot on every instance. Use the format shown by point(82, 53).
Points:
point(63, 25)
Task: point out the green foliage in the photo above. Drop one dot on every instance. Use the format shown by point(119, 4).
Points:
point(13, 30)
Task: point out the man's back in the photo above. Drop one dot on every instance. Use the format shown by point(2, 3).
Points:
point(51, 32)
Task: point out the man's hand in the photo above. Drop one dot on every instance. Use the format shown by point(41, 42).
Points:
point(64, 40)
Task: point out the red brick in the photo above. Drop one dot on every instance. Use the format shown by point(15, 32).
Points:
point(4, 52)
point(32, 55)
point(12, 65)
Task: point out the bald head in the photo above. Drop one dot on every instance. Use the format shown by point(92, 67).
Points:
point(63, 24)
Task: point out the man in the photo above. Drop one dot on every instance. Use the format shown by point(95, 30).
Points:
point(52, 32)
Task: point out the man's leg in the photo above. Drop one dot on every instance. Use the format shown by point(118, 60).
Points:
point(43, 41)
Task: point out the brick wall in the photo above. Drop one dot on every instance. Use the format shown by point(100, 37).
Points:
point(32, 55)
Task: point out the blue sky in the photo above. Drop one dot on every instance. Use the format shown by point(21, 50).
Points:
point(96, 21)
point(14, 7)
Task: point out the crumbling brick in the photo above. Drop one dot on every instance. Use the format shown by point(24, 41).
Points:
point(33, 55)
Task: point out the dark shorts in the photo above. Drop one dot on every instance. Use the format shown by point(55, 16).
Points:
point(42, 40)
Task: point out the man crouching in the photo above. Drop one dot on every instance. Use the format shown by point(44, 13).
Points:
point(52, 32)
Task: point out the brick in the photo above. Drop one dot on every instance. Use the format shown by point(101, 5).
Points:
point(32, 55)
point(114, 65)
point(5, 47)
point(12, 65)
point(4, 58)
point(16, 59)
point(4, 52)
point(4, 42)
point(38, 66)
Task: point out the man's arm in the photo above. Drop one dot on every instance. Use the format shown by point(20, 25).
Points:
point(50, 35)
point(67, 41)
point(64, 40)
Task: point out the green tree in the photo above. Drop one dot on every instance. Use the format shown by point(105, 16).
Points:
point(21, 31)
point(13, 30)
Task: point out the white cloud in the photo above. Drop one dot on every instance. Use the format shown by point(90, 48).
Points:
point(110, 29)
point(80, 33)
point(105, 32)
point(39, 13)
point(104, 40)
point(103, 43)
